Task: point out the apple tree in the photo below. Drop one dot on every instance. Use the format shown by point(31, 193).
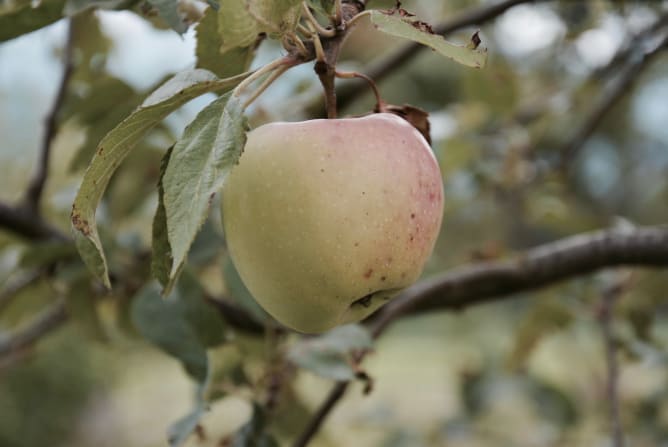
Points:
point(492, 208)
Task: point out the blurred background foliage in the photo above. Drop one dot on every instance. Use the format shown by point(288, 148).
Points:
point(526, 372)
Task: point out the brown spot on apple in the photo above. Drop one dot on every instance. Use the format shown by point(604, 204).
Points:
point(368, 273)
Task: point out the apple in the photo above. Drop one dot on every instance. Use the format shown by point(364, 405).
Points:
point(326, 220)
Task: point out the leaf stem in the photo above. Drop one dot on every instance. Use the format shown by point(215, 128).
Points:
point(310, 19)
point(338, 13)
point(243, 85)
point(265, 84)
point(354, 21)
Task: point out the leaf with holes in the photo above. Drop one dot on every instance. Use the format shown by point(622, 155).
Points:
point(420, 32)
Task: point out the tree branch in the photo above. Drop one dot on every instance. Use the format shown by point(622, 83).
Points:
point(25, 219)
point(318, 418)
point(36, 187)
point(27, 224)
point(607, 100)
point(544, 265)
point(47, 321)
point(486, 281)
point(610, 296)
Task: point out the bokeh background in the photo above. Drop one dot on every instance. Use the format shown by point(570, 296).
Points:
point(529, 371)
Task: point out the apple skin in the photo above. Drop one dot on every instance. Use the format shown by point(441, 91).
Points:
point(326, 220)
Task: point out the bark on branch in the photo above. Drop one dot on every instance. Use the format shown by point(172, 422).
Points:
point(544, 265)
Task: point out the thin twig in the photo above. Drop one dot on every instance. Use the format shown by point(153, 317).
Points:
point(626, 52)
point(609, 299)
point(47, 321)
point(36, 187)
point(486, 281)
point(318, 418)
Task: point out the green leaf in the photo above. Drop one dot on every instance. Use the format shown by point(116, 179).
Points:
point(241, 21)
point(26, 19)
point(417, 31)
point(183, 324)
point(108, 102)
point(237, 27)
point(210, 146)
point(330, 355)
point(180, 431)
point(209, 45)
point(276, 17)
point(41, 254)
point(207, 246)
point(81, 306)
point(253, 433)
point(547, 316)
point(161, 258)
point(118, 143)
point(325, 7)
point(240, 293)
point(169, 12)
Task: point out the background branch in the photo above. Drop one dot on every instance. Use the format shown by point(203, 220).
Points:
point(36, 187)
point(611, 95)
point(486, 281)
point(609, 299)
point(25, 219)
point(25, 223)
point(44, 323)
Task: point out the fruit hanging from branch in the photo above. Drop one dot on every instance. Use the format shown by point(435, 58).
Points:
point(326, 220)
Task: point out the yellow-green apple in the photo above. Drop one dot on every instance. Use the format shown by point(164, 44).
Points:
point(326, 220)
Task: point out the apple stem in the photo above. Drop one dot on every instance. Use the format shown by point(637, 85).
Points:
point(327, 73)
point(372, 84)
point(327, 49)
